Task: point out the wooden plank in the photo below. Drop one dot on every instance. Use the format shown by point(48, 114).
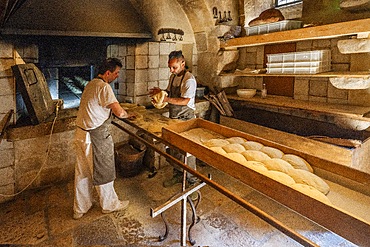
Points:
point(318, 32)
point(336, 220)
point(345, 74)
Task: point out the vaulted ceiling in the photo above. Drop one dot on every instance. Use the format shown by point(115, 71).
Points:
point(108, 18)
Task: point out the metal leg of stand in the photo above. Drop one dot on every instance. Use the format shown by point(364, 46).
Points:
point(183, 197)
point(195, 219)
point(164, 236)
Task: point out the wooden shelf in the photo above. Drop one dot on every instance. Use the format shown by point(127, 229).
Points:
point(347, 74)
point(317, 32)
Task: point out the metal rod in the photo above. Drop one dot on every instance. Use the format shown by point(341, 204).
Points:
point(264, 216)
point(183, 221)
point(175, 199)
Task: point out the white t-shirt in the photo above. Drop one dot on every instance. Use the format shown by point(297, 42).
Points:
point(93, 110)
point(188, 88)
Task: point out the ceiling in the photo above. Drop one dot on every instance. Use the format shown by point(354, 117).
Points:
point(108, 18)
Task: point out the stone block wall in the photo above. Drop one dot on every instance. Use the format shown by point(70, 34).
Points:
point(308, 88)
point(10, 54)
point(144, 67)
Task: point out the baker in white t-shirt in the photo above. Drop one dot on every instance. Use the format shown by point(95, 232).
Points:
point(95, 165)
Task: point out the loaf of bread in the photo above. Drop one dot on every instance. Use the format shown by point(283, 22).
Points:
point(267, 16)
point(234, 148)
point(280, 177)
point(311, 179)
point(297, 162)
point(216, 143)
point(311, 192)
point(255, 155)
point(218, 150)
point(272, 152)
point(255, 165)
point(236, 139)
point(252, 145)
point(237, 157)
point(276, 164)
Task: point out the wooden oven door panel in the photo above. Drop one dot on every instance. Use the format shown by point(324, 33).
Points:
point(35, 92)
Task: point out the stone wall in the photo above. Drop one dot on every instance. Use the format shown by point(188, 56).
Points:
point(317, 89)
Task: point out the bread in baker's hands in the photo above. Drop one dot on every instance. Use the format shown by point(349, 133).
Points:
point(157, 99)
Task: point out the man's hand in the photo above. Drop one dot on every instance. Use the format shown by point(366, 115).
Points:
point(154, 91)
point(131, 116)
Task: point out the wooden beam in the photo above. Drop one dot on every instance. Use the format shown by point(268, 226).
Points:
point(309, 33)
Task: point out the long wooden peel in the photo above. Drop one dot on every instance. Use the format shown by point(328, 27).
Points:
point(214, 101)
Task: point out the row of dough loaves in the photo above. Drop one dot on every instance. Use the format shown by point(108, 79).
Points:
point(288, 169)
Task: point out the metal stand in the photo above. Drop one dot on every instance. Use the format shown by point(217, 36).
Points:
point(184, 198)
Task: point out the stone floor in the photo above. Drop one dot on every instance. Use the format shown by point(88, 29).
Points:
point(43, 217)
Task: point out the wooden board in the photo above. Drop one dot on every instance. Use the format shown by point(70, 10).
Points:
point(318, 32)
point(335, 219)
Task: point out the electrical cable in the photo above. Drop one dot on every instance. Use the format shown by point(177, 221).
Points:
point(57, 106)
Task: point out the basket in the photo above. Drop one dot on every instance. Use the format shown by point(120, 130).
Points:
point(129, 160)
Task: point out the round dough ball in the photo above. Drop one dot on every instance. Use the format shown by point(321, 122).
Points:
point(306, 177)
point(280, 177)
point(252, 145)
point(255, 165)
point(216, 143)
point(276, 164)
point(297, 162)
point(237, 157)
point(218, 150)
point(236, 139)
point(234, 148)
point(255, 155)
point(272, 152)
point(311, 192)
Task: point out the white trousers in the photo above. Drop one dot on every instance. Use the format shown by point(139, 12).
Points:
point(84, 187)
